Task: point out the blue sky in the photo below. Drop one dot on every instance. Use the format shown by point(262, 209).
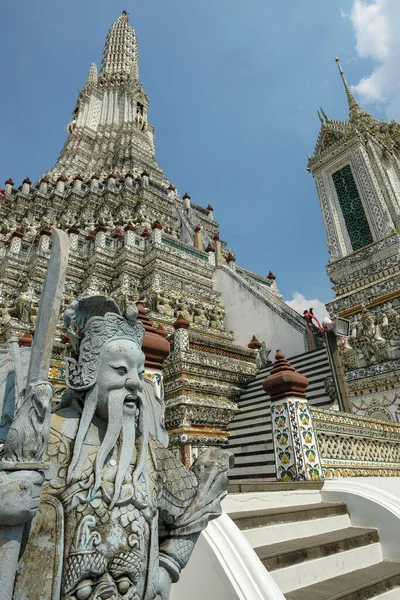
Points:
point(234, 86)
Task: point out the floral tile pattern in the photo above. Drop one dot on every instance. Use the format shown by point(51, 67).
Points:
point(296, 452)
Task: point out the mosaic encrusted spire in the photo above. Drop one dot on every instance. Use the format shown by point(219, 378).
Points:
point(121, 50)
point(93, 76)
point(110, 131)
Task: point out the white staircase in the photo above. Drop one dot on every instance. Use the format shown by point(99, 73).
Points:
point(251, 431)
point(310, 547)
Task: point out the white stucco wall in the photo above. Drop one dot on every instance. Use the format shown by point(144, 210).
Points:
point(246, 315)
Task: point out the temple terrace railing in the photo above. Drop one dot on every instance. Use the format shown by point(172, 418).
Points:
point(312, 443)
point(352, 446)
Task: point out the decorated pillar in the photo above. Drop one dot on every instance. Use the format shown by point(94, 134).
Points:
point(26, 186)
point(144, 179)
point(198, 244)
point(78, 183)
point(44, 240)
point(156, 349)
point(44, 182)
point(218, 250)
point(211, 254)
point(181, 335)
point(94, 183)
point(9, 186)
point(73, 234)
point(156, 232)
point(60, 185)
point(230, 261)
point(16, 241)
point(100, 241)
point(129, 235)
point(295, 446)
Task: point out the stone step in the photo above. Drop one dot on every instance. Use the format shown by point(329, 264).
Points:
point(258, 429)
point(258, 391)
point(310, 572)
point(242, 472)
point(270, 494)
point(283, 532)
point(263, 485)
point(247, 443)
point(257, 419)
point(263, 409)
point(253, 458)
point(253, 402)
point(361, 584)
point(273, 516)
point(251, 448)
point(310, 370)
point(293, 552)
point(299, 362)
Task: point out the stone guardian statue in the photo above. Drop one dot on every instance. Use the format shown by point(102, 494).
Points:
point(119, 514)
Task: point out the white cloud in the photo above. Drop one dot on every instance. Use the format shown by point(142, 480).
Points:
point(300, 303)
point(375, 26)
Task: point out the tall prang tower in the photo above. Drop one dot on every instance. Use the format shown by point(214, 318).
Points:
point(356, 167)
point(110, 130)
point(135, 238)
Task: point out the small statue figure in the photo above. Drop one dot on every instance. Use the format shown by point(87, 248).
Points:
point(164, 304)
point(216, 317)
point(263, 359)
point(199, 316)
point(185, 308)
point(119, 514)
point(366, 337)
point(71, 126)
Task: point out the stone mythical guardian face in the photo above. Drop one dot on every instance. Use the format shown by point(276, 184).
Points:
point(106, 381)
point(120, 373)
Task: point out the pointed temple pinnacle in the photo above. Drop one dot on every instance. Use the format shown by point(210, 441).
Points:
point(121, 51)
point(354, 108)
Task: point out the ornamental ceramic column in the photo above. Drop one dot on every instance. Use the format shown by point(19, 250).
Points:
point(218, 250)
point(156, 232)
point(198, 243)
point(9, 186)
point(295, 447)
point(156, 349)
point(181, 335)
point(26, 186)
point(211, 254)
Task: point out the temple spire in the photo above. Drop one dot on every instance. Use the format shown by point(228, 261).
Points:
point(120, 54)
point(92, 77)
point(354, 108)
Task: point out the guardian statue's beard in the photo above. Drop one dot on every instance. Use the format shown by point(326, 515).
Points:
point(121, 430)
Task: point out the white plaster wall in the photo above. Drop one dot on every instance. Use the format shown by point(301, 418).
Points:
point(372, 502)
point(246, 315)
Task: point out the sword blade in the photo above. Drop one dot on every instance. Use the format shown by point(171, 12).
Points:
point(49, 308)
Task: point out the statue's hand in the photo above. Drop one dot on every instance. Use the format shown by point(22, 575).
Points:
point(164, 584)
point(19, 496)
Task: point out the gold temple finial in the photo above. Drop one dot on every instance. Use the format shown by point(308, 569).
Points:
point(124, 16)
